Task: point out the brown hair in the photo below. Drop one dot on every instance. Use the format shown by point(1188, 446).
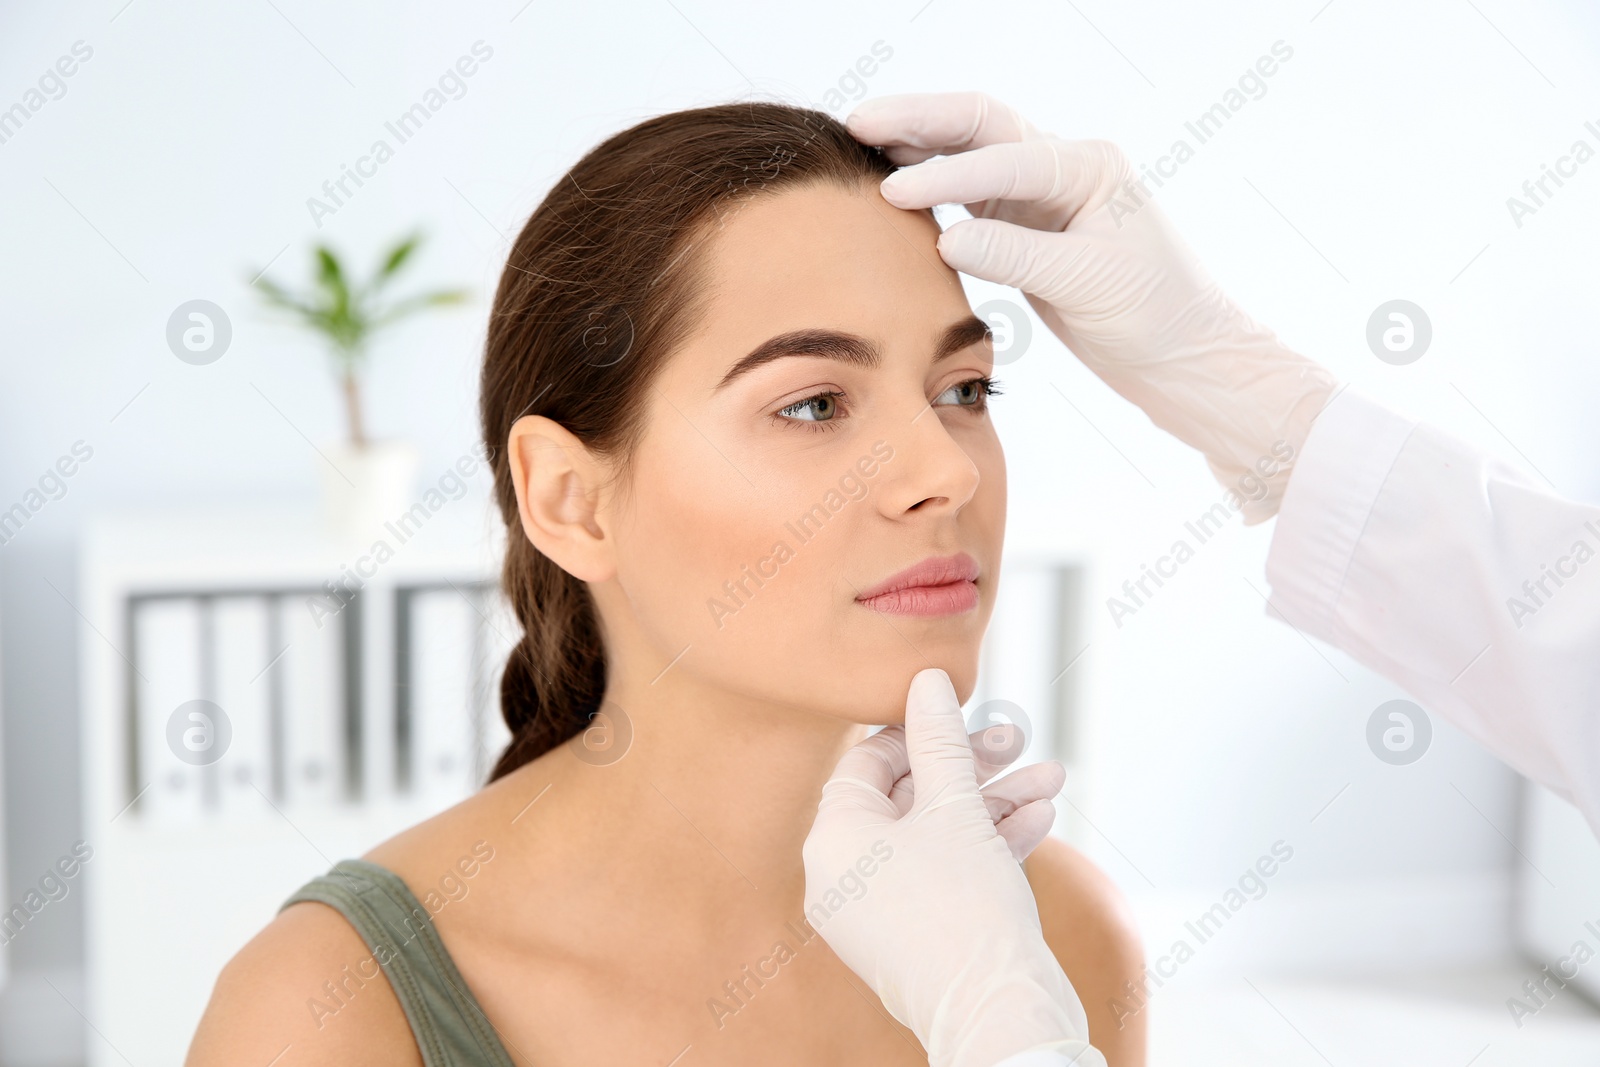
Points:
point(600, 286)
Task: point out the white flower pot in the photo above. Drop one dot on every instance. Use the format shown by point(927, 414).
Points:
point(364, 487)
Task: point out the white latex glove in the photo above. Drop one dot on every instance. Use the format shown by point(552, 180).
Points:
point(925, 901)
point(1068, 224)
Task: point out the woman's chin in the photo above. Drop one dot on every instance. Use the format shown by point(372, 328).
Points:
point(891, 710)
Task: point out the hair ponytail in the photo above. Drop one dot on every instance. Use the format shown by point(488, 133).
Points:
point(556, 675)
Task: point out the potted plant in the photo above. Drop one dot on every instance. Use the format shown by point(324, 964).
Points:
point(365, 482)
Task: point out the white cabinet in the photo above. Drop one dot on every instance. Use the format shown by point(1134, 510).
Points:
point(246, 724)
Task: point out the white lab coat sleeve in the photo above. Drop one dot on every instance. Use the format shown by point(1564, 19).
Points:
point(1462, 579)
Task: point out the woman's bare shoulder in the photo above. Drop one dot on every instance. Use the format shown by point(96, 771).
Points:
point(1090, 927)
point(1078, 900)
point(309, 983)
point(305, 990)
point(430, 856)
point(308, 988)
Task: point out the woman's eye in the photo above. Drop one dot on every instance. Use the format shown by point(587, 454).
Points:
point(820, 408)
point(974, 392)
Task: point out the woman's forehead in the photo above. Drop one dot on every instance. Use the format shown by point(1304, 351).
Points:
point(821, 255)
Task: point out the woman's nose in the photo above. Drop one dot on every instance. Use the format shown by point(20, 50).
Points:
point(930, 471)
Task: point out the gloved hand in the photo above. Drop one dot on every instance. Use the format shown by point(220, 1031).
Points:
point(1069, 224)
point(918, 892)
point(1019, 804)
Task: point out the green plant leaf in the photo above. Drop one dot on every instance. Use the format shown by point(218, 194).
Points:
point(347, 314)
point(330, 275)
point(396, 259)
point(346, 323)
point(282, 298)
point(412, 304)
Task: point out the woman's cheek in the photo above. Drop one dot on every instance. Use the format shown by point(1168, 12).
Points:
point(706, 562)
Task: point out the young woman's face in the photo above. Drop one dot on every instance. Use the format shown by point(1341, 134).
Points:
point(823, 429)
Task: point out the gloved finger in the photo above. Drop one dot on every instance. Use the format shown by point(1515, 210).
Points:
point(866, 774)
point(944, 122)
point(936, 741)
point(1037, 781)
point(903, 155)
point(1066, 176)
point(901, 793)
point(850, 801)
point(1045, 265)
point(904, 794)
point(994, 748)
point(880, 759)
point(1024, 828)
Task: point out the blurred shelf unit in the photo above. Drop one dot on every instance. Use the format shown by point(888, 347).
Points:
point(260, 700)
point(279, 682)
point(278, 693)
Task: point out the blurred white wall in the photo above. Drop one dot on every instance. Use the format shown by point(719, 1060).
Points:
point(1376, 165)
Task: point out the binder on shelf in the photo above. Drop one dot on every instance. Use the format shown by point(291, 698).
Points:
point(315, 757)
point(167, 672)
point(498, 633)
point(442, 712)
point(245, 659)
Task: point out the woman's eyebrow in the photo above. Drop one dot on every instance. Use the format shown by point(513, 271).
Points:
point(851, 348)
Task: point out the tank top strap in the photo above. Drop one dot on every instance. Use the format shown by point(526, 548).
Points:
point(450, 1028)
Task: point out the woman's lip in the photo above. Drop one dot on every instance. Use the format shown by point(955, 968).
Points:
point(929, 574)
point(947, 599)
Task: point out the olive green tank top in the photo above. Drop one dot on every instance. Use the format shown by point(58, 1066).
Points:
point(450, 1028)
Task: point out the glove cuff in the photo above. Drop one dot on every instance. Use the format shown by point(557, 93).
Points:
point(1002, 1009)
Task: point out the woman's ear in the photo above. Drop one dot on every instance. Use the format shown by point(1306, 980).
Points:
point(559, 484)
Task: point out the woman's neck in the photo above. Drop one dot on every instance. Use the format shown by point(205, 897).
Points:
point(703, 813)
point(708, 775)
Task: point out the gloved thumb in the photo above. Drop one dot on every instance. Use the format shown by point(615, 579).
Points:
point(937, 746)
point(861, 789)
point(1035, 261)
